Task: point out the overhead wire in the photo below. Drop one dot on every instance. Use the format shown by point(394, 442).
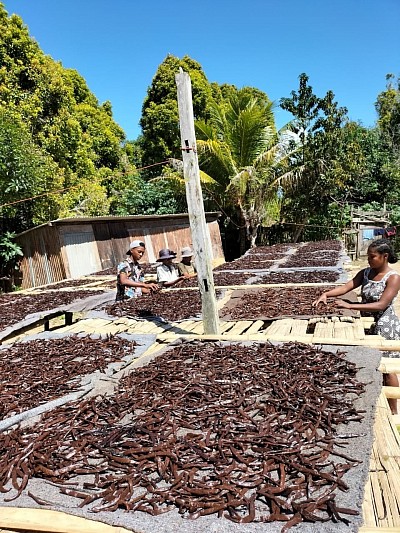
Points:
point(57, 191)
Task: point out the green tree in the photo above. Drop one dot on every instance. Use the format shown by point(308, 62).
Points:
point(241, 158)
point(160, 138)
point(65, 121)
point(25, 171)
point(315, 170)
point(10, 253)
point(388, 108)
point(153, 197)
point(372, 174)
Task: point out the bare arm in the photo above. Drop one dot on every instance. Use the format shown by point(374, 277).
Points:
point(172, 283)
point(125, 280)
point(391, 290)
point(342, 289)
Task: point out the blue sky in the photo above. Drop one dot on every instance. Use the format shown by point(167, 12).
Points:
point(347, 46)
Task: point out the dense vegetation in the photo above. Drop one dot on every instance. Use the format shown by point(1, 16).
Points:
point(62, 154)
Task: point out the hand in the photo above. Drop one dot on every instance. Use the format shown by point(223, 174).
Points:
point(153, 287)
point(321, 300)
point(342, 304)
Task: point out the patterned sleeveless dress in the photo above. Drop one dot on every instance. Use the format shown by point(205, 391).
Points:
point(387, 323)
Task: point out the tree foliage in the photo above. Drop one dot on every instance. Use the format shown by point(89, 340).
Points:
point(239, 154)
point(25, 171)
point(153, 197)
point(69, 136)
point(388, 108)
point(10, 253)
point(62, 154)
point(316, 170)
point(160, 139)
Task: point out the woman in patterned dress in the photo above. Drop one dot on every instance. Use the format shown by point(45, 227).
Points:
point(379, 288)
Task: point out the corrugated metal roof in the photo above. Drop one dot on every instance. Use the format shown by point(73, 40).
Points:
point(80, 220)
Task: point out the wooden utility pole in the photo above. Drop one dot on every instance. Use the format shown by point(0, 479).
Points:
point(200, 234)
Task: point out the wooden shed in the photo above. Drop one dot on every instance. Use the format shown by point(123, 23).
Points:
point(366, 226)
point(74, 247)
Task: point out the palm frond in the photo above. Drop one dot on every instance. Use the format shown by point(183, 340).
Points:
point(216, 160)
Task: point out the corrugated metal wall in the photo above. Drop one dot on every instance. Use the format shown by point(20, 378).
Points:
point(75, 247)
point(42, 262)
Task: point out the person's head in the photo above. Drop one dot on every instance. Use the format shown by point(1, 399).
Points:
point(379, 252)
point(186, 255)
point(136, 250)
point(166, 256)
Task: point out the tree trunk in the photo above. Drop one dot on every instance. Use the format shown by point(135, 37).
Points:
point(298, 231)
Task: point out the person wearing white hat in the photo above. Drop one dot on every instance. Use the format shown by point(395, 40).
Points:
point(130, 278)
point(167, 273)
point(186, 267)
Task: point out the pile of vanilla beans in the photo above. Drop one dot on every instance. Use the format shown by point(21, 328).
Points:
point(41, 370)
point(15, 307)
point(245, 432)
point(274, 302)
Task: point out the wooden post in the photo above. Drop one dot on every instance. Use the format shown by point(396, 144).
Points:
point(201, 241)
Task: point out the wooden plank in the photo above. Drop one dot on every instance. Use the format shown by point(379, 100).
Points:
point(130, 323)
point(284, 285)
point(225, 326)
point(378, 529)
point(255, 327)
point(225, 299)
point(166, 326)
point(358, 330)
point(324, 329)
point(368, 506)
point(391, 392)
point(393, 476)
point(45, 520)
point(240, 326)
point(271, 329)
point(372, 504)
point(379, 504)
point(95, 323)
point(143, 326)
point(125, 320)
point(280, 327)
point(299, 327)
point(77, 327)
point(112, 327)
point(389, 365)
point(368, 509)
point(199, 328)
point(372, 341)
point(367, 321)
point(382, 495)
point(389, 501)
point(188, 325)
point(155, 347)
point(343, 330)
point(155, 329)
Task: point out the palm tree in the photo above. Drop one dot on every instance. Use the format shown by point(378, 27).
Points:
point(242, 159)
